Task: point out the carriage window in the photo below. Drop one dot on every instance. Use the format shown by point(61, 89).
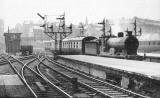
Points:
point(70, 44)
point(153, 43)
point(74, 45)
point(142, 43)
point(77, 45)
point(66, 44)
point(63, 44)
point(146, 43)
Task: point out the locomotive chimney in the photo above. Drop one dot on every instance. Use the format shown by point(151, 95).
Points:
point(129, 33)
point(120, 34)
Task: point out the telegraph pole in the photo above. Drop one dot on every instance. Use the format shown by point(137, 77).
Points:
point(81, 26)
point(62, 19)
point(103, 23)
point(55, 37)
point(135, 29)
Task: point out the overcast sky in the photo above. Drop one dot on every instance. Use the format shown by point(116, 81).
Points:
point(13, 11)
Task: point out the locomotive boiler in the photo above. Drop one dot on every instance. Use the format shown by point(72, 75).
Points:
point(126, 45)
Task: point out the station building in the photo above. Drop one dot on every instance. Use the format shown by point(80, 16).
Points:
point(12, 43)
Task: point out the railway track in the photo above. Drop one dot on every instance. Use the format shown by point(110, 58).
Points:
point(100, 88)
point(39, 85)
point(36, 84)
point(67, 83)
point(4, 59)
point(13, 71)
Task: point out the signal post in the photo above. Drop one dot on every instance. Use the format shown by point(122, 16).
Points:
point(54, 34)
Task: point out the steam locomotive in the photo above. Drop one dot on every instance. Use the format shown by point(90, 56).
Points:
point(121, 45)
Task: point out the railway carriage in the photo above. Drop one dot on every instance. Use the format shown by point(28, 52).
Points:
point(75, 45)
point(149, 46)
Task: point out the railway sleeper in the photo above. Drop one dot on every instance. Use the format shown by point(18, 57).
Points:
point(89, 93)
point(118, 95)
point(100, 87)
point(113, 92)
point(84, 90)
point(48, 94)
point(90, 82)
point(40, 86)
point(95, 84)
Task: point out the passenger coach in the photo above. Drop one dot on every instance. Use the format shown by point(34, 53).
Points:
point(75, 45)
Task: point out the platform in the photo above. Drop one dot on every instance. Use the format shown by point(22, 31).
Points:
point(148, 69)
point(150, 54)
point(11, 86)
